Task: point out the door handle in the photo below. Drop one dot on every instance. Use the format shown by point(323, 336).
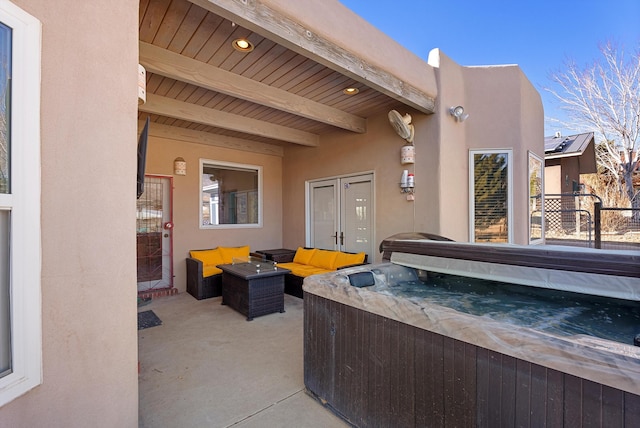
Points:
point(341, 238)
point(335, 237)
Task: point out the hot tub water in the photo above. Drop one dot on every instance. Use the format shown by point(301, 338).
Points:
point(557, 312)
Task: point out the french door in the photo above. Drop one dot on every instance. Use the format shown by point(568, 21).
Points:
point(154, 238)
point(340, 214)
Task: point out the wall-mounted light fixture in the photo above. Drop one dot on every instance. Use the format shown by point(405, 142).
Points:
point(179, 166)
point(242, 45)
point(458, 113)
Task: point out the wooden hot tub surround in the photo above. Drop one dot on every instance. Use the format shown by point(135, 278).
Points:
point(379, 359)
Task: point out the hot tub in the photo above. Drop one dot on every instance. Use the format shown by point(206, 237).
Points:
point(381, 355)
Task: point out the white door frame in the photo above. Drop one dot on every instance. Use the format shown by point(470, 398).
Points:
point(338, 178)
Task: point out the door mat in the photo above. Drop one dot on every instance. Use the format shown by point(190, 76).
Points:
point(148, 319)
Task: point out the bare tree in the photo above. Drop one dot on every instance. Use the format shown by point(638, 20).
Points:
point(605, 97)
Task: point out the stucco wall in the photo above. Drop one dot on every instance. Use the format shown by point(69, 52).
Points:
point(187, 234)
point(452, 139)
point(505, 112)
point(345, 153)
point(88, 127)
point(553, 179)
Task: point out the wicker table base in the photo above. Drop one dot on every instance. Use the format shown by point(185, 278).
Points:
point(253, 293)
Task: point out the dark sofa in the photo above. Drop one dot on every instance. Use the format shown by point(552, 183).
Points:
point(205, 262)
point(199, 286)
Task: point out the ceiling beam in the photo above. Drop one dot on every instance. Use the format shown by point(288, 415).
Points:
point(169, 64)
point(192, 136)
point(256, 16)
point(165, 106)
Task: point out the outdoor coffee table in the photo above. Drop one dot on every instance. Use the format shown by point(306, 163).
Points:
point(253, 286)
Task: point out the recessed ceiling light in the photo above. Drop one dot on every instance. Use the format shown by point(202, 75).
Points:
point(351, 91)
point(242, 45)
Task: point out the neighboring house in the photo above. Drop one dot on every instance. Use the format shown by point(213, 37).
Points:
point(565, 159)
point(325, 166)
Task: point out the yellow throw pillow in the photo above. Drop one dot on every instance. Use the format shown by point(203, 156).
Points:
point(303, 256)
point(346, 259)
point(323, 259)
point(228, 253)
point(208, 257)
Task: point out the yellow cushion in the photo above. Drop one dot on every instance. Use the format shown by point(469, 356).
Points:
point(311, 270)
point(289, 265)
point(302, 270)
point(323, 259)
point(208, 257)
point(228, 253)
point(345, 259)
point(303, 256)
point(210, 270)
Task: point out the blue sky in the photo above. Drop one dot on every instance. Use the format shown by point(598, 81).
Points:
point(539, 36)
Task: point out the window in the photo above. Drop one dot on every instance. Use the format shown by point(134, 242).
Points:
point(20, 317)
point(536, 199)
point(490, 189)
point(231, 195)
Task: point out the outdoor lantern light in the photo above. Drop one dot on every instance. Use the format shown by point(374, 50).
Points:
point(458, 113)
point(179, 166)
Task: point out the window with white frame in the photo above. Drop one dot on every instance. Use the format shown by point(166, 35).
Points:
point(536, 199)
point(20, 260)
point(490, 190)
point(231, 195)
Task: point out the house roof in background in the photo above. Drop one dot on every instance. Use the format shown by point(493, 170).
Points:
point(579, 145)
point(572, 145)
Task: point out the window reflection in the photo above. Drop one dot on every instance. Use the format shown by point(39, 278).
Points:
point(535, 198)
point(5, 102)
point(230, 194)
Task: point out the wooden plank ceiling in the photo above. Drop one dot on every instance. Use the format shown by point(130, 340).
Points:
point(198, 82)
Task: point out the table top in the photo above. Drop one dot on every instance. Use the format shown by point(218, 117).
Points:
point(252, 269)
point(276, 251)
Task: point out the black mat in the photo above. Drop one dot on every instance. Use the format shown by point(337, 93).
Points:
point(148, 319)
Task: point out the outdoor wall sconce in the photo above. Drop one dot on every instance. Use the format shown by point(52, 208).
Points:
point(179, 166)
point(458, 113)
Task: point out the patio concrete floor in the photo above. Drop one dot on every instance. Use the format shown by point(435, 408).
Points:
point(206, 366)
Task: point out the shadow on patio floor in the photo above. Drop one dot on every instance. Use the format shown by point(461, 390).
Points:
point(206, 366)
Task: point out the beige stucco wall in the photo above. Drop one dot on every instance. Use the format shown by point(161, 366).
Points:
point(553, 178)
point(452, 139)
point(88, 127)
point(378, 150)
point(187, 234)
point(505, 112)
